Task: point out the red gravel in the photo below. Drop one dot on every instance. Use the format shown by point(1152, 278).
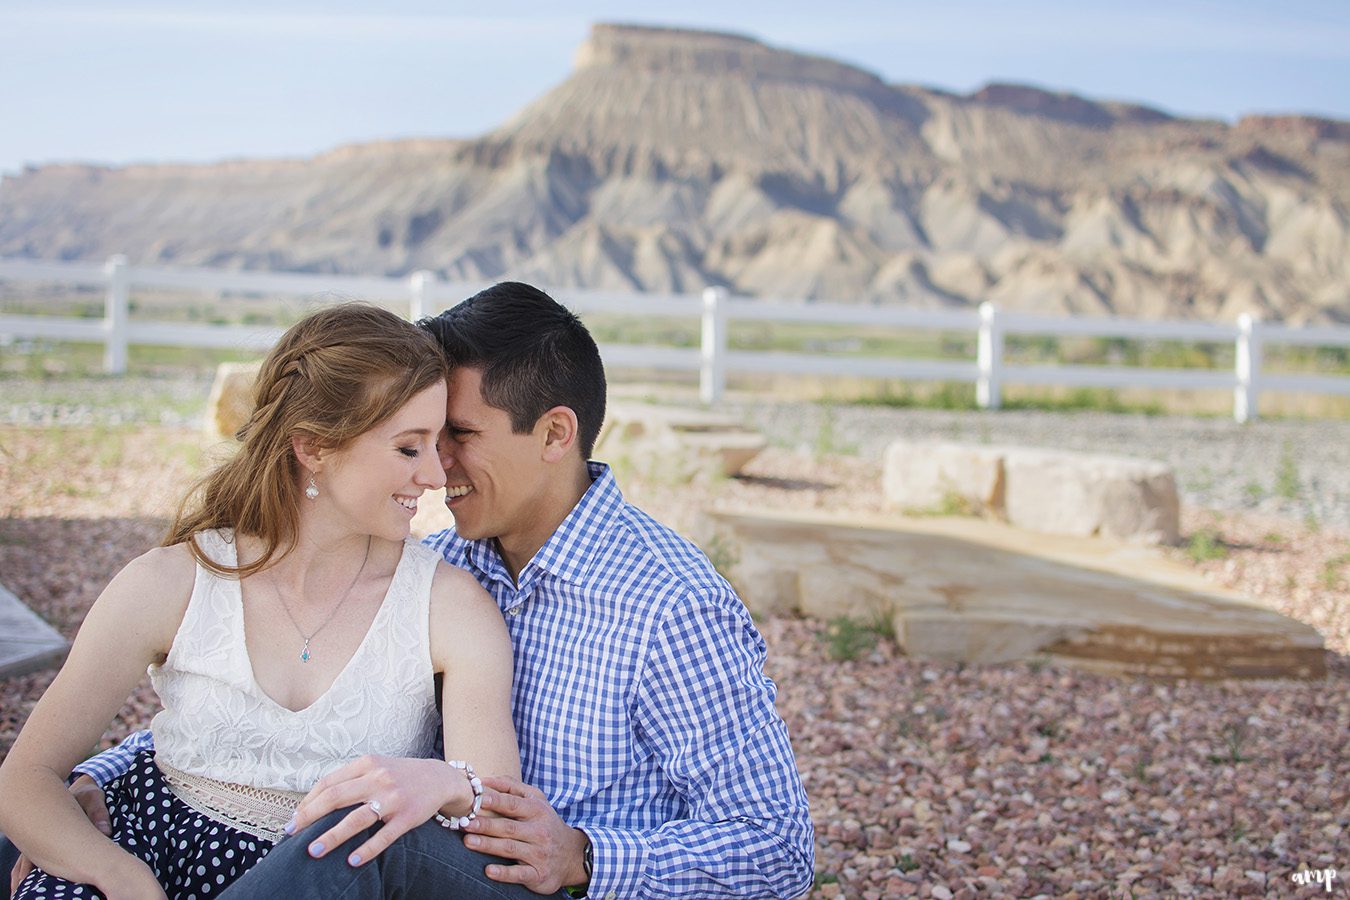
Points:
point(925, 779)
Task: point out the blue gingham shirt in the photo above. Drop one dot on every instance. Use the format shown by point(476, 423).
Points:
point(641, 706)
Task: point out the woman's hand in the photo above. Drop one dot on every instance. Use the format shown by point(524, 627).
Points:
point(408, 792)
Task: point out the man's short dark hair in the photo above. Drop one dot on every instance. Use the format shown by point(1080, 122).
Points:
point(533, 352)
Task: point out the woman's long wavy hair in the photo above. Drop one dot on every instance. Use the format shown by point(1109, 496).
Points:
point(333, 376)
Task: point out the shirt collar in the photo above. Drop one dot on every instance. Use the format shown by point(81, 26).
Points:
point(571, 550)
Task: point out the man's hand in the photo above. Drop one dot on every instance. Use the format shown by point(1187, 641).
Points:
point(523, 827)
point(409, 792)
point(89, 795)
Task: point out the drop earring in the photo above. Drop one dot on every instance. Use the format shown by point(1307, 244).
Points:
point(312, 492)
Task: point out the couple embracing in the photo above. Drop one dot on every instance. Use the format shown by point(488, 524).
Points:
point(558, 696)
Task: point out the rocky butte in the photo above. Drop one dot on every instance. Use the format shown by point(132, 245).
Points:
point(671, 160)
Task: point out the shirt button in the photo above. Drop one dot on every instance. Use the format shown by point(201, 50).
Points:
point(611, 896)
point(513, 611)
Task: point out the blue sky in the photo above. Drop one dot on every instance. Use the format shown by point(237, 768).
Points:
point(158, 81)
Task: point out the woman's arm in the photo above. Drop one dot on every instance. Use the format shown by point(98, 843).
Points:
point(130, 626)
point(470, 647)
point(469, 644)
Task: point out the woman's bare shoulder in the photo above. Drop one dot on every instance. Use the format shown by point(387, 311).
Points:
point(160, 575)
point(172, 562)
point(465, 620)
point(454, 585)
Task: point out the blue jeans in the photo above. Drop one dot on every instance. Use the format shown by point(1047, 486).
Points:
point(428, 862)
point(9, 855)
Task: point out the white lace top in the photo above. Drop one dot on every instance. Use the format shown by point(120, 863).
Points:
point(218, 723)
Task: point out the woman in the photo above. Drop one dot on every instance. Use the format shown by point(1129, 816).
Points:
point(290, 630)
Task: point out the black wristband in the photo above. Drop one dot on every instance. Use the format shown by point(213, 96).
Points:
point(587, 866)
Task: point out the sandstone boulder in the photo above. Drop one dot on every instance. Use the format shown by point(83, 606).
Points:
point(1052, 491)
point(231, 401)
point(933, 476)
point(675, 443)
point(1061, 492)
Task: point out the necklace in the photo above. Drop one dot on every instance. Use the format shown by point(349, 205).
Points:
point(305, 655)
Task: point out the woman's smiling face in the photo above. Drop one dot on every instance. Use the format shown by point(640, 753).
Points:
point(375, 481)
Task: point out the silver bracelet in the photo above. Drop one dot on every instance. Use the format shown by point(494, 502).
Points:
point(455, 823)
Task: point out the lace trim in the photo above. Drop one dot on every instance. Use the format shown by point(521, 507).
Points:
point(260, 812)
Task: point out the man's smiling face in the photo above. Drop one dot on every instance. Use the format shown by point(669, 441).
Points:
point(496, 479)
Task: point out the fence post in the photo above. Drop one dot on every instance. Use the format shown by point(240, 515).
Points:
point(417, 293)
point(989, 359)
point(712, 379)
point(115, 312)
point(1248, 359)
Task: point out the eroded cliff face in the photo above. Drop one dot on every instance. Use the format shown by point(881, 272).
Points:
point(670, 160)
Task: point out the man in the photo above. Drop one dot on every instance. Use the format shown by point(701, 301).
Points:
point(654, 762)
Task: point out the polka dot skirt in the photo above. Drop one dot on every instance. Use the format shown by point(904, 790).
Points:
point(191, 854)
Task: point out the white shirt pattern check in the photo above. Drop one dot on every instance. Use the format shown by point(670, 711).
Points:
point(642, 708)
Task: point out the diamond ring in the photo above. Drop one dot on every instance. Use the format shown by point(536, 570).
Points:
point(375, 807)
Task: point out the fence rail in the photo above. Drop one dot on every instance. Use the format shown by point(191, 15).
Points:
point(712, 359)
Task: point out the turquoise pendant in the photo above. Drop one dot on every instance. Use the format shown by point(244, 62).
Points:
point(304, 654)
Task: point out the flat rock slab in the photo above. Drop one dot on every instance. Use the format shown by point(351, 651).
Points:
point(979, 591)
point(26, 642)
point(676, 442)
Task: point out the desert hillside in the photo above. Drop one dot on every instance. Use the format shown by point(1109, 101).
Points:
point(670, 160)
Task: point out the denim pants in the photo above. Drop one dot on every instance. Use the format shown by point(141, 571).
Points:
point(9, 855)
point(428, 862)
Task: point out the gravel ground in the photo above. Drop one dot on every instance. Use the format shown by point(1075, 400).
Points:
point(1289, 467)
point(170, 399)
point(926, 780)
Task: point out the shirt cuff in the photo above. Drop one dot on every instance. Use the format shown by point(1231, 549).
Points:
point(619, 862)
point(114, 763)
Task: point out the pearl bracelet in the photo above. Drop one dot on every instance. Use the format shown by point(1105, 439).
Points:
point(455, 823)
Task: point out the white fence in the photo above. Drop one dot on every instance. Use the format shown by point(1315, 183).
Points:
point(712, 359)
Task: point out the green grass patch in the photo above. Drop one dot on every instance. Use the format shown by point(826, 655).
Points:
point(953, 503)
point(1234, 738)
point(823, 878)
point(828, 442)
point(1287, 482)
point(41, 360)
point(1331, 576)
point(1032, 349)
point(721, 552)
point(961, 396)
point(160, 305)
point(933, 395)
point(1082, 400)
point(1205, 546)
point(846, 639)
